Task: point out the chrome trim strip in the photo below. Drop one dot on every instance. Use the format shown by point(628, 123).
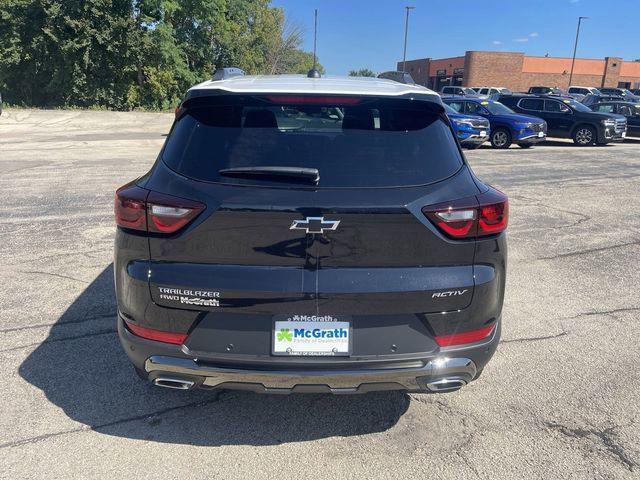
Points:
point(338, 380)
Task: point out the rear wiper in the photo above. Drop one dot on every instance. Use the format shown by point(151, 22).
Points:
point(309, 174)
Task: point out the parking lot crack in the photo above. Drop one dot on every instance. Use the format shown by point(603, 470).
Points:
point(611, 312)
point(58, 275)
point(56, 324)
point(102, 426)
point(605, 437)
point(590, 250)
point(63, 339)
point(535, 339)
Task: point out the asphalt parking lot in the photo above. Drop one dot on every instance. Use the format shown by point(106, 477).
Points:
point(560, 399)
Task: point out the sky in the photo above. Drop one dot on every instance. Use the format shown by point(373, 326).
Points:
point(355, 34)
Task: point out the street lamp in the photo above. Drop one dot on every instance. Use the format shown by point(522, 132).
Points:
point(406, 31)
point(575, 48)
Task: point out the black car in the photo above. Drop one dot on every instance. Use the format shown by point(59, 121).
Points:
point(623, 92)
point(310, 235)
point(592, 99)
point(630, 110)
point(567, 118)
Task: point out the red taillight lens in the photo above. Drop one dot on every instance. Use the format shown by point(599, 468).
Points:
point(313, 100)
point(130, 207)
point(464, 337)
point(157, 335)
point(484, 214)
point(140, 209)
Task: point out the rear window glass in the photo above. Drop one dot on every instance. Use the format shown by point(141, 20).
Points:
point(374, 143)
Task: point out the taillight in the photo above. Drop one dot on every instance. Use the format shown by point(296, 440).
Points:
point(314, 99)
point(464, 337)
point(130, 207)
point(479, 216)
point(141, 209)
point(168, 214)
point(157, 335)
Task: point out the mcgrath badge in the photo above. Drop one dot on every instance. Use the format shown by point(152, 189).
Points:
point(187, 296)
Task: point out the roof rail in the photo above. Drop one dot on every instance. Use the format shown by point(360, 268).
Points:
point(396, 76)
point(227, 73)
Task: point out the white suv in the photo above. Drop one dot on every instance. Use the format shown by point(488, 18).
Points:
point(583, 90)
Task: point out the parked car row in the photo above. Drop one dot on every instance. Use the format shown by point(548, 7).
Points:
point(507, 127)
point(526, 119)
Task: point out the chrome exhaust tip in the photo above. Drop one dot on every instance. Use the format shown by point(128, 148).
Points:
point(446, 384)
point(174, 383)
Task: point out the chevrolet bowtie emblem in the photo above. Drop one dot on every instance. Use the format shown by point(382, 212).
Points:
point(314, 225)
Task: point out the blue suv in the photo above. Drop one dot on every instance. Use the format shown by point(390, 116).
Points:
point(507, 127)
point(471, 130)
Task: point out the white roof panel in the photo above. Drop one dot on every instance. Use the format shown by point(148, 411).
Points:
point(329, 85)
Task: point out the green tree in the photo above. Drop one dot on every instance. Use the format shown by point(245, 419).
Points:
point(125, 54)
point(61, 53)
point(363, 72)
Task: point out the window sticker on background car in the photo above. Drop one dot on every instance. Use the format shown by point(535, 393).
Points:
point(567, 101)
point(484, 103)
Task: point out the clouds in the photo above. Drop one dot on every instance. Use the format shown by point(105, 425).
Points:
point(530, 36)
point(527, 38)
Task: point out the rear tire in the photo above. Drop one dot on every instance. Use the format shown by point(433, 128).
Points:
point(501, 138)
point(584, 136)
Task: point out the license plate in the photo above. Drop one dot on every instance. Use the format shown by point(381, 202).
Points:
point(540, 134)
point(624, 134)
point(483, 133)
point(311, 335)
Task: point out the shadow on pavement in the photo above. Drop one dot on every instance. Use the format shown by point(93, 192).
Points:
point(89, 377)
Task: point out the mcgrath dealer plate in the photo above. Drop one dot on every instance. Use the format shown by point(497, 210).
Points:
point(311, 335)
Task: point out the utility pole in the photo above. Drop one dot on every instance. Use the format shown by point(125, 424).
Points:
point(406, 31)
point(575, 48)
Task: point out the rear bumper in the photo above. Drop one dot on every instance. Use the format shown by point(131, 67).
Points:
point(445, 370)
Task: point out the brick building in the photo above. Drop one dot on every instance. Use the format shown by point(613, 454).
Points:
point(518, 72)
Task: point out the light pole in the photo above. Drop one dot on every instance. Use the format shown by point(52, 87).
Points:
point(575, 48)
point(406, 31)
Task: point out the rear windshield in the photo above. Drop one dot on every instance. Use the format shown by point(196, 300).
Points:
point(367, 143)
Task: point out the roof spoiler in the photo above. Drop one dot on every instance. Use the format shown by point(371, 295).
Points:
point(397, 76)
point(227, 73)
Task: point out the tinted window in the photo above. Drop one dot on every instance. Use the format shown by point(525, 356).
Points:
point(473, 108)
point(554, 106)
point(604, 108)
point(484, 91)
point(496, 108)
point(539, 90)
point(531, 104)
point(376, 144)
point(457, 106)
point(625, 110)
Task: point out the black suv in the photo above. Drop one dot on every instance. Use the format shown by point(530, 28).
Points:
point(567, 118)
point(623, 92)
point(629, 110)
point(310, 235)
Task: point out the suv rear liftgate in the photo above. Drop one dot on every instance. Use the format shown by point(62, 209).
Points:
point(413, 288)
